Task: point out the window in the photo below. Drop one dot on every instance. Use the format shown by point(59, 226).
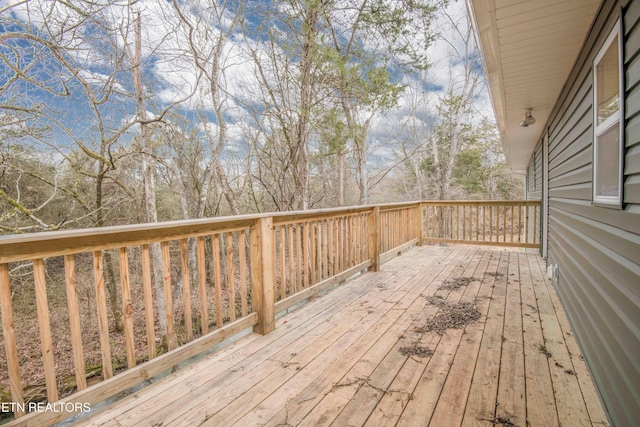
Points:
point(608, 124)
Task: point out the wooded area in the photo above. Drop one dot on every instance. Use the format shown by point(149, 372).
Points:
point(132, 112)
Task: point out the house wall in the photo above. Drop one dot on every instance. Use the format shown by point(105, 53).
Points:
point(534, 174)
point(597, 249)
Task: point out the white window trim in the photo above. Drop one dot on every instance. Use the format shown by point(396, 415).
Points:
point(618, 118)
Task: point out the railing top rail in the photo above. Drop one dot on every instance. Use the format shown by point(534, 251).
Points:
point(295, 216)
point(23, 247)
point(481, 203)
point(40, 245)
point(395, 206)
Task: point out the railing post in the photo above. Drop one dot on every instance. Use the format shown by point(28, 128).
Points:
point(263, 275)
point(419, 224)
point(374, 238)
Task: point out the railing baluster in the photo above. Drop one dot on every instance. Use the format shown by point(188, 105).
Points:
point(331, 247)
point(168, 295)
point(202, 286)
point(298, 263)
point(535, 224)
point(103, 325)
point(242, 239)
point(484, 223)
point(492, 225)
point(513, 232)
point(127, 307)
point(374, 238)
point(231, 277)
point(217, 280)
point(45, 330)
point(469, 235)
point(451, 216)
point(10, 342)
point(312, 255)
point(292, 272)
point(186, 288)
point(354, 240)
point(322, 242)
point(364, 237)
point(504, 231)
point(357, 226)
point(477, 222)
point(322, 248)
point(464, 222)
point(283, 273)
point(345, 243)
point(305, 255)
point(74, 321)
point(338, 243)
point(148, 300)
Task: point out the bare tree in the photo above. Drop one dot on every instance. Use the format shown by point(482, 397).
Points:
point(291, 71)
point(92, 76)
point(208, 26)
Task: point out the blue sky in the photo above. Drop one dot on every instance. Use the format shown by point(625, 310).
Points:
point(170, 77)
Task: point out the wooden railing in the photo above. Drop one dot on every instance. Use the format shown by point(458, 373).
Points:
point(96, 309)
point(500, 223)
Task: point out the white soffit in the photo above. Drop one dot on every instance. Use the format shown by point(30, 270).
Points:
point(529, 47)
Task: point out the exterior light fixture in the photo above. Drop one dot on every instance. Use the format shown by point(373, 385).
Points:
point(528, 119)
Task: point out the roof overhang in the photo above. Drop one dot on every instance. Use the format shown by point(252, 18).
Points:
point(529, 49)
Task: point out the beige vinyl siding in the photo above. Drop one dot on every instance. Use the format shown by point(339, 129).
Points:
point(632, 107)
point(597, 249)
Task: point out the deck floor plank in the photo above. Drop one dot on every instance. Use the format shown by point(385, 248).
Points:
point(311, 391)
point(374, 377)
point(481, 404)
point(541, 404)
point(365, 317)
point(335, 359)
point(565, 382)
point(391, 405)
point(419, 410)
point(457, 387)
point(511, 402)
point(179, 390)
point(589, 394)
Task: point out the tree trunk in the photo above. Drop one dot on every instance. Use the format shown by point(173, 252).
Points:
point(341, 178)
point(110, 280)
point(227, 192)
point(301, 160)
point(148, 173)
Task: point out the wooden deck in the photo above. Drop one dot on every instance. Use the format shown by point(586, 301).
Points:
point(336, 360)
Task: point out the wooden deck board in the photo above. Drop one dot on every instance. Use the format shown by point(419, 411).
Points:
point(481, 404)
point(541, 403)
point(456, 390)
point(426, 394)
point(511, 400)
point(370, 378)
point(336, 359)
point(589, 394)
point(325, 383)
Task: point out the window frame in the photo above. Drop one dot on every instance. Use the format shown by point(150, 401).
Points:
point(616, 118)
